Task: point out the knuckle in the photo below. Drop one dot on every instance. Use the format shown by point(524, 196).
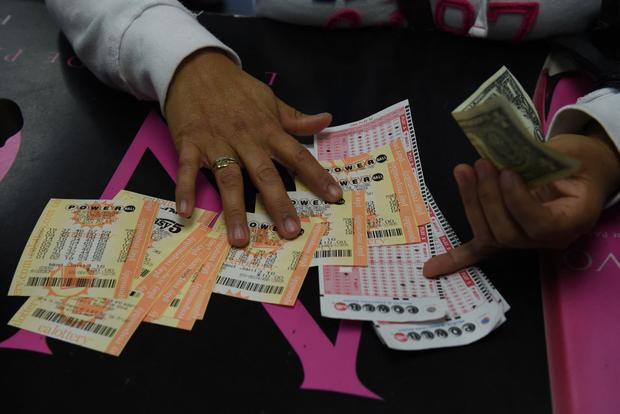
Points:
point(239, 124)
point(486, 195)
point(233, 214)
point(301, 155)
point(229, 177)
point(187, 132)
point(267, 174)
point(507, 237)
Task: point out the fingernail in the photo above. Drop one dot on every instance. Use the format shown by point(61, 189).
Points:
point(183, 208)
point(238, 232)
point(291, 226)
point(334, 191)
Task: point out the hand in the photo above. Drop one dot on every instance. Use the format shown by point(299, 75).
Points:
point(214, 109)
point(504, 213)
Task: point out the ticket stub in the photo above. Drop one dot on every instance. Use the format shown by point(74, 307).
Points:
point(440, 334)
point(94, 323)
point(185, 297)
point(186, 325)
point(345, 242)
point(270, 269)
point(168, 230)
point(84, 248)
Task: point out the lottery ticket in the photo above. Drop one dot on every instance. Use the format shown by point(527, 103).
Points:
point(168, 230)
point(391, 287)
point(187, 296)
point(467, 295)
point(85, 248)
point(440, 334)
point(371, 162)
point(345, 242)
point(475, 308)
point(270, 269)
point(95, 323)
point(394, 207)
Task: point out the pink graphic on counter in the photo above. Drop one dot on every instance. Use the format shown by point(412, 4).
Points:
point(8, 153)
point(327, 366)
point(580, 288)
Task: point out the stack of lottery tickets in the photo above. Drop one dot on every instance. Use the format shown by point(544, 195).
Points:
point(378, 155)
point(95, 269)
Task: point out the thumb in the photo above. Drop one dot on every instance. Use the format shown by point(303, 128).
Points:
point(298, 123)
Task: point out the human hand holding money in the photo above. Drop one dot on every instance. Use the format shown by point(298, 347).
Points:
point(504, 212)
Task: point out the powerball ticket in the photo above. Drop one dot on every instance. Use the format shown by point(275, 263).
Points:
point(364, 136)
point(85, 248)
point(345, 241)
point(394, 205)
point(270, 269)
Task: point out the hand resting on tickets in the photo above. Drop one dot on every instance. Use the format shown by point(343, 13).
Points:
point(216, 111)
point(504, 213)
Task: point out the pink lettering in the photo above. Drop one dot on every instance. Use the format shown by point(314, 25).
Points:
point(272, 77)
point(12, 58)
point(529, 10)
point(466, 9)
point(6, 20)
point(53, 57)
point(577, 259)
point(346, 17)
point(609, 257)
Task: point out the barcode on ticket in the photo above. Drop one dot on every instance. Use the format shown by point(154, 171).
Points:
point(380, 234)
point(83, 325)
point(175, 303)
point(321, 254)
point(70, 282)
point(250, 286)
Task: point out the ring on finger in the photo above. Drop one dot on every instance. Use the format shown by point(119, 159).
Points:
point(223, 162)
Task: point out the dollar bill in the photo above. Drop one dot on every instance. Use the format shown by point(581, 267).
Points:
point(503, 83)
point(502, 128)
point(499, 136)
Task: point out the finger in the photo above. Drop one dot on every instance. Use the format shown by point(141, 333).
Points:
point(295, 122)
point(538, 220)
point(190, 161)
point(503, 228)
point(465, 177)
point(268, 182)
point(452, 261)
point(300, 161)
point(230, 182)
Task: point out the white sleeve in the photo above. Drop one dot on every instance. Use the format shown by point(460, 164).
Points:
point(603, 106)
point(134, 45)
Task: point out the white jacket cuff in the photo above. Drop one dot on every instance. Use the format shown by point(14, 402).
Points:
point(156, 43)
point(602, 106)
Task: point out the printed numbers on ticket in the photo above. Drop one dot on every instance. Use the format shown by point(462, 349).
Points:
point(85, 248)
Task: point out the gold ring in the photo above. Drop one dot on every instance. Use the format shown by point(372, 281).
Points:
point(223, 162)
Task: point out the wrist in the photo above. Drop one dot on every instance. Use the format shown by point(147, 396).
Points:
point(608, 156)
point(209, 60)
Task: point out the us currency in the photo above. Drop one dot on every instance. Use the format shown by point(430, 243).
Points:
point(500, 121)
point(503, 83)
point(499, 135)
